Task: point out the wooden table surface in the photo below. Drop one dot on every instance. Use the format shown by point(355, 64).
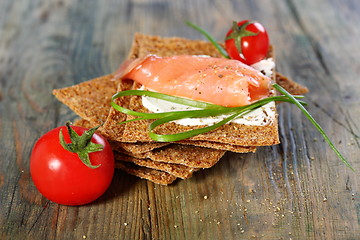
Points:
point(298, 189)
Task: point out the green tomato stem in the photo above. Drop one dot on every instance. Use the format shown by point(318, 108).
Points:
point(81, 145)
point(238, 32)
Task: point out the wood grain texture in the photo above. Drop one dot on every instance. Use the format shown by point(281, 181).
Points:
point(295, 190)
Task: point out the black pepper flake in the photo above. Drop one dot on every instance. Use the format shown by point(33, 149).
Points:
point(220, 75)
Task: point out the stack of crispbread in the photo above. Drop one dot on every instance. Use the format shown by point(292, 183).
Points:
point(135, 152)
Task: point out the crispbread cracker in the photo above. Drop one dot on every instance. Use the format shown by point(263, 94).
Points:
point(220, 146)
point(141, 147)
point(290, 86)
point(191, 156)
point(169, 46)
point(114, 117)
point(152, 175)
point(90, 100)
point(177, 170)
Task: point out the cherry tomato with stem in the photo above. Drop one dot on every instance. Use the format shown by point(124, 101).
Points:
point(72, 165)
point(247, 42)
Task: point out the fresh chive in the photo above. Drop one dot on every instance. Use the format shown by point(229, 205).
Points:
point(204, 109)
point(221, 50)
point(312, 120)
point(184, 135)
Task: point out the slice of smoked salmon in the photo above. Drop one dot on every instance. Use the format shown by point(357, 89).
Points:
point(216, 80)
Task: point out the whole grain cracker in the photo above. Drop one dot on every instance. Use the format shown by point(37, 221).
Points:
point(191, 156)
point(220, 146)
point(111, 126)
point(178, 170)
point(291, 86)
point(152, 175)
point(90, 100)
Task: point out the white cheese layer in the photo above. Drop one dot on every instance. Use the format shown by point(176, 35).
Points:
point(260, 117)
point(265, 66)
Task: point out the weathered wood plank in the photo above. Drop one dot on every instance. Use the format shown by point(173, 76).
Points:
point(296, 190)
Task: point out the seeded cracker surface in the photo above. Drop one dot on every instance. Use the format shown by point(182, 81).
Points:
point(152, 175)
point(291, 86)
point(178, 170)
point(191, 156)
point(82, 97)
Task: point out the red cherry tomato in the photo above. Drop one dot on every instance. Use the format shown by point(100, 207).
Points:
point(247, 42)
point(62, 177)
